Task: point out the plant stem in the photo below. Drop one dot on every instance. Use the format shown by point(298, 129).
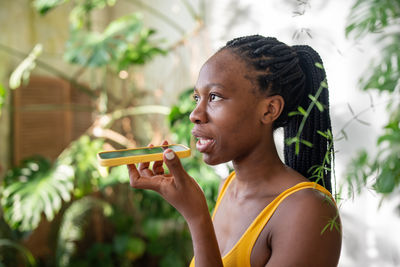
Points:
point(158, 14)
point(191, 10)
point(50, 69)
point(148, 109)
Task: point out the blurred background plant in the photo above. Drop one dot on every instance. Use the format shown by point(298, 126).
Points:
point(131, 70)
point(379, 20)
point(94, 217)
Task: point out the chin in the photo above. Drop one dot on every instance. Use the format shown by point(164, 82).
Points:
point(213, 161)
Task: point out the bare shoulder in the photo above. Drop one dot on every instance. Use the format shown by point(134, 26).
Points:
point(306, 223)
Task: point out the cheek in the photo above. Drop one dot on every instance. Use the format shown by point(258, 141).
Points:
point(238, 130)
point(239, 122)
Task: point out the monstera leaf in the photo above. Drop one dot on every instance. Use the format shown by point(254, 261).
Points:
point(33, 189)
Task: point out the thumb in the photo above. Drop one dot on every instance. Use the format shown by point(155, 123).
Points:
point(174, 165)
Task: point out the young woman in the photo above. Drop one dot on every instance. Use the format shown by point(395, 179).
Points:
point(268, 213)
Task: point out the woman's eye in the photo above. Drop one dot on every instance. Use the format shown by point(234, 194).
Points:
point(196, 98)
point(214, 98)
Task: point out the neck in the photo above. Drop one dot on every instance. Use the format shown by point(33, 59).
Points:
point(261, 165)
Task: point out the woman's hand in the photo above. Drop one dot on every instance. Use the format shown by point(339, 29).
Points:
point(178, 188)
point(182, 192)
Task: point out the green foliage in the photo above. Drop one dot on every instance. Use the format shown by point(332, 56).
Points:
point(44, 6)
point(33, 188)
point(372, 16)
point(124, 42)
point(37, 186)
point(379, 19)
point(78, 14)
point(72, 226)
point(22, 73)
point(3, 93)
point(140, 225)
point(81, 154)
point(383, 74)
point(30, 260)
point(317, 171)
point(384, 168)
point(179, 118)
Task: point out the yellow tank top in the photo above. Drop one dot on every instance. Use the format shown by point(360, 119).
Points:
point(239, 255)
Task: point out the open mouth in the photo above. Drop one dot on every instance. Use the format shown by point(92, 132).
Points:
point(204, 144)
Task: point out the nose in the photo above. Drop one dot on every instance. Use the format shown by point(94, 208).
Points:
point(199, 114)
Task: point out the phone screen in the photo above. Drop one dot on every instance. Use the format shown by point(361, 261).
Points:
point(137, 152)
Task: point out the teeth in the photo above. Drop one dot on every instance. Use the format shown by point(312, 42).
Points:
point(203, 141)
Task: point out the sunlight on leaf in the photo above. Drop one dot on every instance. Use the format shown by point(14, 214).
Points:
point(22, 73)
point(44, 6)
point(42, 190)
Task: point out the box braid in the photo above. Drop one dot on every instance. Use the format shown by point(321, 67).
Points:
point(291, 73)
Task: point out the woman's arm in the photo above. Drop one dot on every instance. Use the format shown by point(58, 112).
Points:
point(182, 192)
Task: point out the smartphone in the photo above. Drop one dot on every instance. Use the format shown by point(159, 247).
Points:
point(141, 154)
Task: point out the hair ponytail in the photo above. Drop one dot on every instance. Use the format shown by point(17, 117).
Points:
point(320, 154)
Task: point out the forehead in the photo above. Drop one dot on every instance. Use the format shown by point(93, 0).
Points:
point(226, 69)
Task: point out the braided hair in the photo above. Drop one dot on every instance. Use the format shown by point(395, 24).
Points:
point(291, 72)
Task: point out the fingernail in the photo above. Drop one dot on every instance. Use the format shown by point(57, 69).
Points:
point(170, 155)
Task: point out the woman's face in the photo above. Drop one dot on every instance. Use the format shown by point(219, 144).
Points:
point(227, 114)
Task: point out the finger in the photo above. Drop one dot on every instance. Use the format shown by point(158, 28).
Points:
point(174, 165)
point(140, 182)
point(133, 174)
point(158, 165)
point(144, 167)
point(164, 143)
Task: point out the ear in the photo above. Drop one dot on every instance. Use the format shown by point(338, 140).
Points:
point(271, 108)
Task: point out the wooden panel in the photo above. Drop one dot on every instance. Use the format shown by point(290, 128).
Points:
point(46, 118)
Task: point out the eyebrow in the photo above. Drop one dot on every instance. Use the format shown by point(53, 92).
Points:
point(212, 85)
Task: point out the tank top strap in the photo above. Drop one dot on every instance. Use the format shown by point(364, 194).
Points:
point(262, 219)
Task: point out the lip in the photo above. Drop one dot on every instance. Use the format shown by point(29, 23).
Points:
point(202, 145)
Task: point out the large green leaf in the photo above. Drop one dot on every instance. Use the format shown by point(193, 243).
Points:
point(34, 189)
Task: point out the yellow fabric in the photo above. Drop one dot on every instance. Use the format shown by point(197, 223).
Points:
point(239, 255)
